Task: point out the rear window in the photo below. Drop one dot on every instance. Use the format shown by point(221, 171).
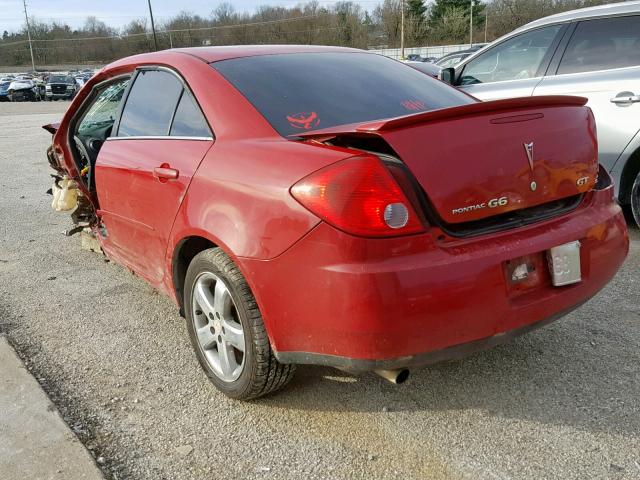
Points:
point(301, 92)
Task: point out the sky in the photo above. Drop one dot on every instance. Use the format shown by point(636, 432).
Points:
point(120, 12)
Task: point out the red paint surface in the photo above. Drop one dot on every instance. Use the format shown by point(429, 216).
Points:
point(324, 291)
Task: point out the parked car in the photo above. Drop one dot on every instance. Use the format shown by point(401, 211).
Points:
point(452, 59)
point(319, 205)
point(4, 91)
point(592, 52)
point(21, 90)
point(430, 69)
point(61, 87)
point(414, 57)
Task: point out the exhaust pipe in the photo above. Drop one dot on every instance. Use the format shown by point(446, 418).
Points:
point(394, 376)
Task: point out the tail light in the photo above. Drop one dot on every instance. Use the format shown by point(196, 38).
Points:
point(359, 196)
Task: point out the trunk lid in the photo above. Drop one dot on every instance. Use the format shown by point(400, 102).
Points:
point(483, 159)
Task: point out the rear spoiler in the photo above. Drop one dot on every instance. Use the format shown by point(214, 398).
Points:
point(510, 105)
point(52, 127)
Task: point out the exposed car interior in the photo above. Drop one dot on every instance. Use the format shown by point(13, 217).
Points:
point(95, 126)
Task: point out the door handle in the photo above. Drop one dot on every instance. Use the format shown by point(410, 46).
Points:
point(165, 172)
point(625, 99)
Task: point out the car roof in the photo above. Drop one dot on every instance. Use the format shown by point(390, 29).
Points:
point(214, 54)
point(606, 10)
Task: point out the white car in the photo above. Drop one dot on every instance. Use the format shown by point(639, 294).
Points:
point(592, 52)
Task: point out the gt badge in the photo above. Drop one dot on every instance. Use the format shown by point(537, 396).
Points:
point(582, 181)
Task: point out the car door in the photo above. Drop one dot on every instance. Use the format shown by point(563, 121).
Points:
point(511, 68)
point(143, 172)
point(602, 63)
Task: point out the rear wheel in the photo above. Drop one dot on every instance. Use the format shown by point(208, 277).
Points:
point(635, 200)
point(226, 329)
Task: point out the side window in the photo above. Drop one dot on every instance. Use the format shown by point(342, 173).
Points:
point(103, 111)
point(602, 45)
point(514, 59)
point(150, 104)
point(188, 121)
point(451, 62)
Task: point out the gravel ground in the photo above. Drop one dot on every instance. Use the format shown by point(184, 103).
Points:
point(114, 356)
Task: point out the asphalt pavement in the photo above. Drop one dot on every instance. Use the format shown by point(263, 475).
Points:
point(114, 357)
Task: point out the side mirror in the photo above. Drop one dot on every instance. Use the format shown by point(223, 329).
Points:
point(448, 75)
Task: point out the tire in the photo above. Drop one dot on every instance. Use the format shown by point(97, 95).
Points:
point(249, 374)
point(635, 200)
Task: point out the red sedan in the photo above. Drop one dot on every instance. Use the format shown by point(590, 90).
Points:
point(317, 205)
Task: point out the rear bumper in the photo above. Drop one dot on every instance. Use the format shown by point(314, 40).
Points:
point(363, 304)
point(454, 352)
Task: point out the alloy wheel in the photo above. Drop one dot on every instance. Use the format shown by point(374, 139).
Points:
point(218, 327)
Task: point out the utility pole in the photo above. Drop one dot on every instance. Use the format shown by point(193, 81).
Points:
point(153, 27)
point(486, 22)
point(26, 17)
point(471, 26)
point(402, 29)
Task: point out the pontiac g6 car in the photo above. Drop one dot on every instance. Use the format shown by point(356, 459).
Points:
point(318, 205)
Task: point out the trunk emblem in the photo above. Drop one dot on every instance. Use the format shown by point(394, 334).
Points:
point(528, 148)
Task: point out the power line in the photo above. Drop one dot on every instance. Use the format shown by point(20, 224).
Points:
point(195, 29)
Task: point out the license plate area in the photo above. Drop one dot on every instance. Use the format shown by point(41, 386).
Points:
point(564, 264)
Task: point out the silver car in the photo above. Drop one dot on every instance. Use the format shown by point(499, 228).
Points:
point(592, 52)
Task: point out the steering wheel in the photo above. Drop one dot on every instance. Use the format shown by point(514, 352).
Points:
point(82, 149)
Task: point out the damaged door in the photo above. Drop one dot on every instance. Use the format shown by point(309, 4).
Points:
point(74, 190)
point(143, 172)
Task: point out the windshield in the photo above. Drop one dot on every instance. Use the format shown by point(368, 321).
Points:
point(301, 92)
point(60, 79)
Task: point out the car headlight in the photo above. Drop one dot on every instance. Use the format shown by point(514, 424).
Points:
point(70, 87)
point(48, 87)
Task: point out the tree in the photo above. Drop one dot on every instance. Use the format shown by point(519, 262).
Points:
point(417, 9)
point(446, 18)
point(387, 16)
point(224, 13)
point(416, 26)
